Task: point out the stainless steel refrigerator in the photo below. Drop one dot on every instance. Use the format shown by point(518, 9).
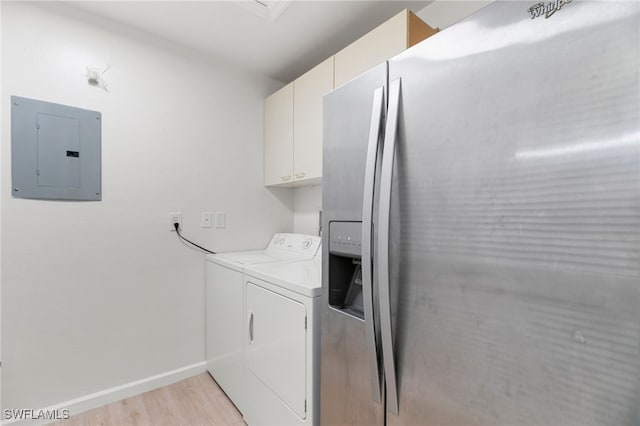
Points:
point(481, 225)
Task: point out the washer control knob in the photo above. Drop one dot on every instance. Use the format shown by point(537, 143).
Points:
point(306, 243)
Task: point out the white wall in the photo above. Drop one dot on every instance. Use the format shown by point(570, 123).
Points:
point(100, 294)
point(307, 204)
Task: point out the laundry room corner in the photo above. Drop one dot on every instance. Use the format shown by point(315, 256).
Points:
point(101, 295)
point(307, 210)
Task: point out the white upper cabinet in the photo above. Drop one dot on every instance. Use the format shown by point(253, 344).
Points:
point(293, 114)
point(293, 129)
point(278, 137)
point(308, 91)
point(383, 42)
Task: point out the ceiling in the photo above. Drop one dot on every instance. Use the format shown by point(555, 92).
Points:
point(306, 33)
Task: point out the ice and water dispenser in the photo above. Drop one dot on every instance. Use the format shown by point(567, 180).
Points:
point(345, 268)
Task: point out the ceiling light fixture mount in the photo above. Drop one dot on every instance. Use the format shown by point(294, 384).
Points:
point(268, 9)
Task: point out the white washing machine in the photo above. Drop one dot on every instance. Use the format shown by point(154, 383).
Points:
point(225, 294)
point(282, 343)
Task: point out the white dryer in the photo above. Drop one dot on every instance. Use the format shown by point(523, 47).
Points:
point(282, 343)
point(225, 300)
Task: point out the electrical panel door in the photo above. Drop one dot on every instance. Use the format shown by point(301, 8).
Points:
point(55, 151)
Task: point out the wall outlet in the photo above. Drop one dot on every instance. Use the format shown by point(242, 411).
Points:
point(173, 218)
point(205, 221)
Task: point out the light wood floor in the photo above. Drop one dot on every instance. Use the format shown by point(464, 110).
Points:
point(194, 401)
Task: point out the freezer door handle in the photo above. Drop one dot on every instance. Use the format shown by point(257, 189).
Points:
point(386, 175)
point(367, 239)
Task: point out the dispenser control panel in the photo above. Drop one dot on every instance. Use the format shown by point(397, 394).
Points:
point(345, 238)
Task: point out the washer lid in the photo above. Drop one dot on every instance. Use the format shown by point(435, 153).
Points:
point(282, 247)
point(221, 260)
point(303, 277)
point(251, 257)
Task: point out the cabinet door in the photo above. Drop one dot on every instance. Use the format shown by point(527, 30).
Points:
point(278, 136)
point(276, 353)
point(380, 44)
point(307, 121)
point(373, 48)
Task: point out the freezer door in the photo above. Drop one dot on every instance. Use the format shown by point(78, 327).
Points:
point(515, 219)
point(345, 140)
point(351, 390)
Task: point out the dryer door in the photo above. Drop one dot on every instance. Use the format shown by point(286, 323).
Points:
point(276, 352)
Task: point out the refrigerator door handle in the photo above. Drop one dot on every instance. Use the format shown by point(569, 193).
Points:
point(367, 239)
point(386, 331)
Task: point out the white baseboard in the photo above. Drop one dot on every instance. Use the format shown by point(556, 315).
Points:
point(116, 393)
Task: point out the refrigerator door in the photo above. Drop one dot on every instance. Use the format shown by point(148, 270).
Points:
point(351, 382)
point(515, 219)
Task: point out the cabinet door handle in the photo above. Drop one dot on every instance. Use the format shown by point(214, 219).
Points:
point(299, 175)
point(286, 178)
point(251, 327)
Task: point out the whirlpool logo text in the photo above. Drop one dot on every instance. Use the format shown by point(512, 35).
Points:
point(546, 9)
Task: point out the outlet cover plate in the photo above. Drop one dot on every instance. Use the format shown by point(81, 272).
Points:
point(173, 218)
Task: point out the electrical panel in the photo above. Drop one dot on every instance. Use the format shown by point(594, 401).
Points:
point(55, 151)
